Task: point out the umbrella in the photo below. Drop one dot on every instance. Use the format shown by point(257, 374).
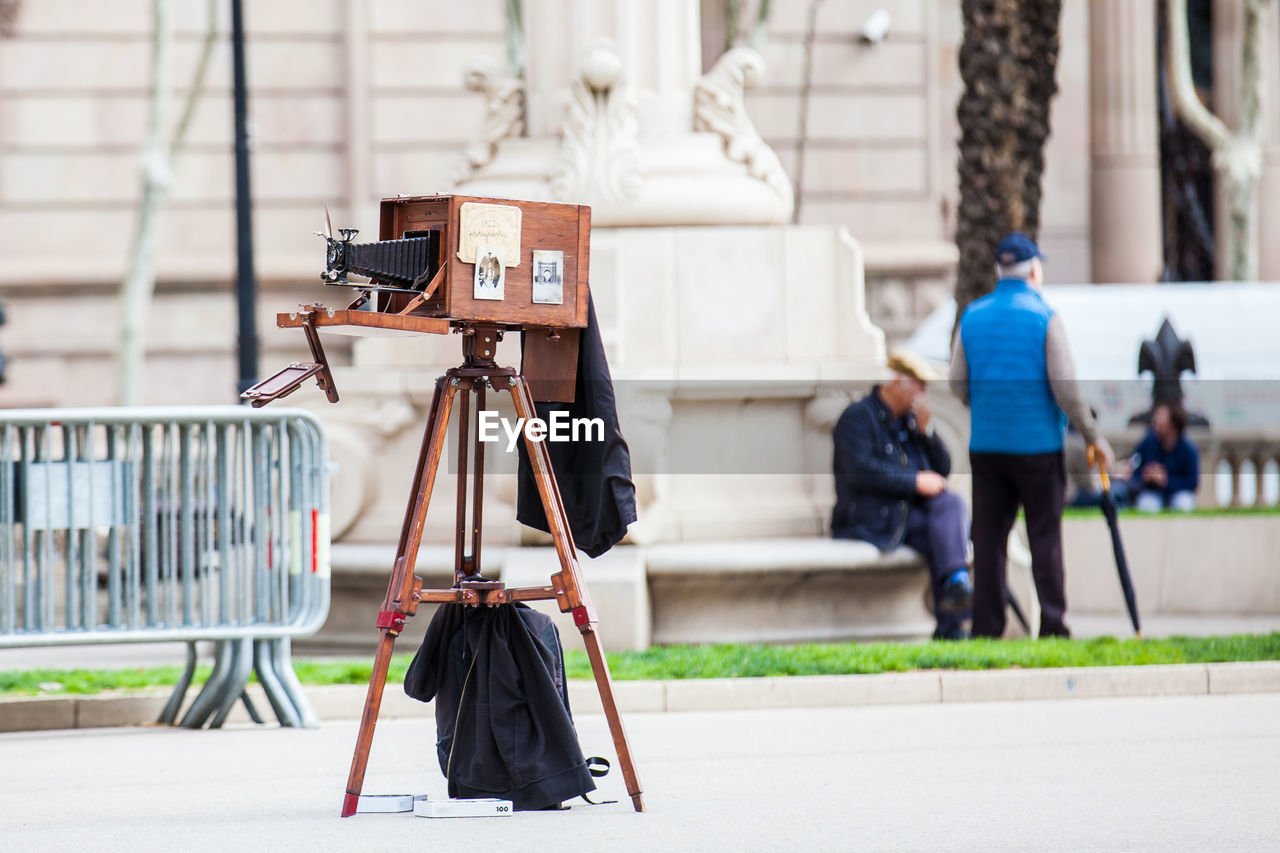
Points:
point(1122, 563)
point(1010, 600)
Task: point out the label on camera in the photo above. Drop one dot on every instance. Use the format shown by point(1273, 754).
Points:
point(493, 225)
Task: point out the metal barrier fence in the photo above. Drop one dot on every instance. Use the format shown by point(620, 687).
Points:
point(139, 525)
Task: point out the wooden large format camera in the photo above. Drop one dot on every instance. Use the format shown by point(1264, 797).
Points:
point(479, 267)
point(472, 260)
point(453, 263)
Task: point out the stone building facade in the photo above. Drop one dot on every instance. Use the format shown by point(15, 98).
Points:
point(356, 99)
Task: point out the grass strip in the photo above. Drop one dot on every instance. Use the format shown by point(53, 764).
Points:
point(739, 661)
point(57, 682)
point(746, 661)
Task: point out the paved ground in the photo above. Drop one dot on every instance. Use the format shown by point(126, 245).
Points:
point(1118, 774)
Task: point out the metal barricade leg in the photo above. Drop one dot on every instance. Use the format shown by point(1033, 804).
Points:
point(171, 708)
point(207, 699)
point(250, 708)
point(289, 681)
point(279, 698)
point(241, 667)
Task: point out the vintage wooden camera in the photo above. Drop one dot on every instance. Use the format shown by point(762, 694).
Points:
point(453, 263)
point(478, 267)
point(472, 260)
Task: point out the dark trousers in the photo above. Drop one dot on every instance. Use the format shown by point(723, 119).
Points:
point(938, 528)
point(1002, 482)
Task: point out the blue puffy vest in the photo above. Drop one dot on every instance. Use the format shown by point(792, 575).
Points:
point(1012, 404)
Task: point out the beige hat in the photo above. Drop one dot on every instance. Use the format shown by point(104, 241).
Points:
point(910, 364)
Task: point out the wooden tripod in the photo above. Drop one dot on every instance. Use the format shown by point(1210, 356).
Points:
point(404, 592)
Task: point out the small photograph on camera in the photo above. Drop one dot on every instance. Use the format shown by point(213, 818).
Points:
point(491, 273)
point(548, 278)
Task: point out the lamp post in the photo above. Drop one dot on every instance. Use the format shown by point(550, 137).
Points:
point(246, 284)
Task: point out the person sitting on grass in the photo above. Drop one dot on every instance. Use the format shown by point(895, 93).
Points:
point(1166, 465)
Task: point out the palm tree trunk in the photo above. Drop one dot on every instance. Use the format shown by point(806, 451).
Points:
point(1008, 62)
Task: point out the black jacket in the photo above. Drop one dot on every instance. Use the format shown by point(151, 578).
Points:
point(875, 477)
point(594, 476)
point(502, 709)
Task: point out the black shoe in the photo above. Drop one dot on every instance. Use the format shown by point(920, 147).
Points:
point(957, 594)
point(954, 633)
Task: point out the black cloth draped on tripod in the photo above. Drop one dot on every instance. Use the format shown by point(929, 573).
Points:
point(594, 476)
point(503, 727)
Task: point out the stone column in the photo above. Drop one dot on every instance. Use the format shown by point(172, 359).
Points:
point(1125, 221)
point(658, 43)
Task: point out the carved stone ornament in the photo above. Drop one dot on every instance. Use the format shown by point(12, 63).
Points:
point(503, 114)
point(719, 106)
point(600, 157)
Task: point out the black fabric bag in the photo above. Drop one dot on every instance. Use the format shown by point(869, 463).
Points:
point(503, 726)
point(594, 476)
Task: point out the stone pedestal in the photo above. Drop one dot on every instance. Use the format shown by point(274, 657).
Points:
point(618, 116)
point(734, 340)
point(1125, 185)
point(658, 55)
point(723, 343)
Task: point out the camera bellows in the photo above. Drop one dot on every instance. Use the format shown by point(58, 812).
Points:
point(407, 263)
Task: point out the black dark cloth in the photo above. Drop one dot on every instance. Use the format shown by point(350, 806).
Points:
point(1002, 481)
point(875, 473)
point(503, 727)
point(594, 476)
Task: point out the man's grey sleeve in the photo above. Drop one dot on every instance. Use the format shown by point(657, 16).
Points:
point(1062, 379)
point(958, 377)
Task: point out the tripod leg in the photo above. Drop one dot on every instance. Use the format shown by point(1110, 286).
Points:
point(460, 514)
point(604, 684)
point(571, 593)
point(477, 491)
point(368, 719)
point(400, 589)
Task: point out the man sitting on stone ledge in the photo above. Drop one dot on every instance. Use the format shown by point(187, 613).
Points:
point(891, 487)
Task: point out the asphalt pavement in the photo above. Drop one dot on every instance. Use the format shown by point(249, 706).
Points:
point(1168, 773)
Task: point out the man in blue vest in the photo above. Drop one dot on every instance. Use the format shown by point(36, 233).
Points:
point(1011, 364)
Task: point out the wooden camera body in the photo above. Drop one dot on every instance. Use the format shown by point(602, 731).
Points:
point(455, 263)
point(470, 225)
point(472, 260)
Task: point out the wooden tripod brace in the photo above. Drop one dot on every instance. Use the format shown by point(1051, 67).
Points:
point(405, 592)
